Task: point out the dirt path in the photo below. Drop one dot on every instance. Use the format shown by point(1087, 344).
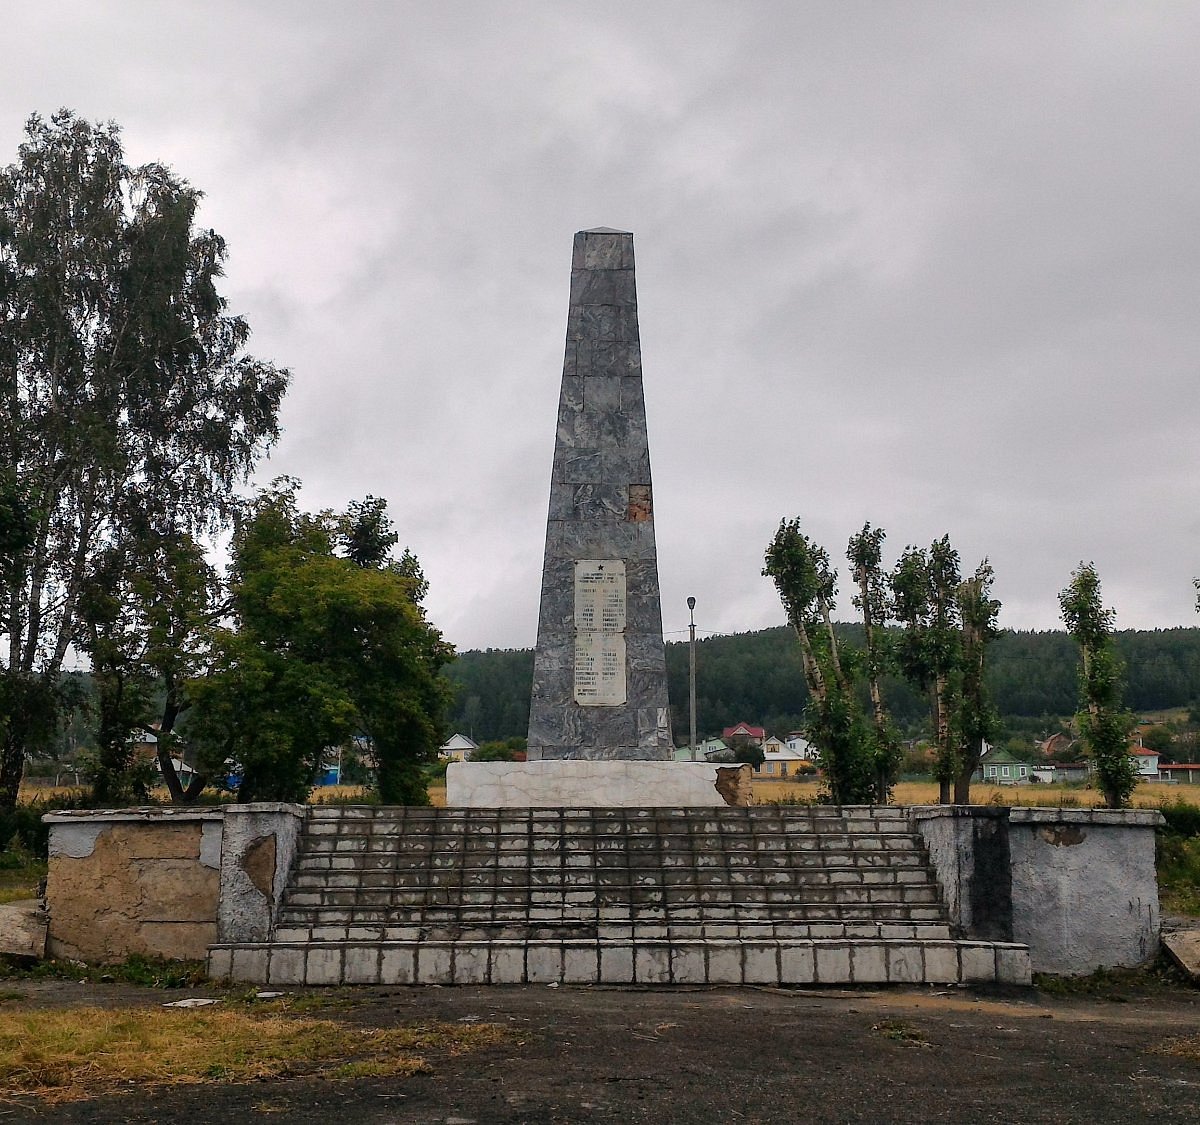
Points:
point(718, 1055)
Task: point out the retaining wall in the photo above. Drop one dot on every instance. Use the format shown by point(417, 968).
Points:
point(1078, 886)
point(165, 882)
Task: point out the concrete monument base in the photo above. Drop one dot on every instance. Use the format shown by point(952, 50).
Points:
point(578, 784)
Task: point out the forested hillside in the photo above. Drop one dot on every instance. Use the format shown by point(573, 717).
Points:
point(756, 677)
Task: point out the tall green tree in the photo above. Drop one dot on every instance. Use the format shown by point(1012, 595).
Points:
point(145, 612)
point(1103, 720)
point(835, 723)
point(865, 555)
point(129, 398)
point(322, 647)
point(925, 602)
point(976, 721)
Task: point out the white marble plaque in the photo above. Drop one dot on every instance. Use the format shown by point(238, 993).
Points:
point(600, 596)
point(600, 632)
point(600, 669)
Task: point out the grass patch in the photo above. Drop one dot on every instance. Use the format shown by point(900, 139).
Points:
point(58, 1056)
point(1117, 985)
point(1178, 862)
point(150, 972)
point(900, 1032)
point(1147, 795)
point(1180, 1047)
point(20, 873)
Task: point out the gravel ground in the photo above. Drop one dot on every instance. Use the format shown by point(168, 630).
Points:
point(715, 1055)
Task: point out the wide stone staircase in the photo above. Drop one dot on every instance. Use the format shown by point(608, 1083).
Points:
point(763, 895)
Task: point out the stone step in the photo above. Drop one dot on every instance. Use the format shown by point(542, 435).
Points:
point(714, 912)
point(729, 830)
point(661, 812)
point(693, 931)
point(614, 894)
point(374, 875)
point(425, 831)
point(712, 962)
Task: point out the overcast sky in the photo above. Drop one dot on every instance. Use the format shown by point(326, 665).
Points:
point(932, 265)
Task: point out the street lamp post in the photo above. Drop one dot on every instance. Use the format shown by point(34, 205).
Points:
point(691, 603)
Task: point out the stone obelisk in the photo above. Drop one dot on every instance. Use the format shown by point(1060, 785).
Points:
point(599, 672)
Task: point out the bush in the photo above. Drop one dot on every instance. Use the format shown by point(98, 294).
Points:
point(1182, 818)
point(22, 830)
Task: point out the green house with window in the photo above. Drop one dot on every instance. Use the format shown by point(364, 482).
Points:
point(1001, 768)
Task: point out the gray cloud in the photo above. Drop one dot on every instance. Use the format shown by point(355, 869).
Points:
point(935, 268)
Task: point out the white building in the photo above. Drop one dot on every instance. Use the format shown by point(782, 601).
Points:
point(457, 748)
point(781, 760)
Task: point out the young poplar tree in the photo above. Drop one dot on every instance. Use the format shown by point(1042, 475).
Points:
point(836, 726)
point(865, 555)
point(925, 602)
point(1103, 720)
point(976, 720)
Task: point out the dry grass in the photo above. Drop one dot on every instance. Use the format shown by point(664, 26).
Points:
point(59, 1056)
point(28, 793)
point(1180, 1047)
point(1147, 795)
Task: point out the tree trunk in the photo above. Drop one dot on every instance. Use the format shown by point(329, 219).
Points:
point(962, 780)
point(12, 765)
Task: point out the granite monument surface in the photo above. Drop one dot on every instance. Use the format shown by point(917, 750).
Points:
point(599, 674)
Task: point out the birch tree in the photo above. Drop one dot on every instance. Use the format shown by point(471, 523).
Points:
point(127, 393)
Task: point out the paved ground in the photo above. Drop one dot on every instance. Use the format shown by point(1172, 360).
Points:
point(722, 1055)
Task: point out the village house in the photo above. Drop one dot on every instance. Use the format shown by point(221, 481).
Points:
point(457, 748)
point(999, 767)
point(797, 743)
point(1186, 772)
point(780, 760)
point(744, 732)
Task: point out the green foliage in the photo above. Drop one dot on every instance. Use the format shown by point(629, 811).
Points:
point(131, 407)
point(322, 649)
point(975, 718)
point(498, 751)
point(21, 827)
point(1103, 722)
point(492, 690)
point(1183, 819)
point(1158, 738)
point(1178, 858)
point(746, 751)
point(856, 761)
point(149, 972)
point(865, 555)
point(757, 676)
point(925, 585)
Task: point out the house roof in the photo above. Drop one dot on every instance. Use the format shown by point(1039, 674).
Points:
point(997, 754)
point(784, 753)
point(459, 742)
point(744, 729)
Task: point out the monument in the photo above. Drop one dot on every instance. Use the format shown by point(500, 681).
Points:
point(599, 719)
point(600, 673)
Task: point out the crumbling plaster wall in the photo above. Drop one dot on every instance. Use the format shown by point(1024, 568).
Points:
point(166, 882)
point(136, 881)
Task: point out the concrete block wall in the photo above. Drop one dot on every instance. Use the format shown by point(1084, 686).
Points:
point(1078, 886)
